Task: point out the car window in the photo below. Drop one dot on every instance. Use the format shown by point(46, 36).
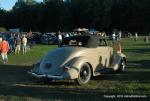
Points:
point(75, 41)
point(82, 41)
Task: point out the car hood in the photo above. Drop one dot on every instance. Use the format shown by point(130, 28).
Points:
point(53, 63)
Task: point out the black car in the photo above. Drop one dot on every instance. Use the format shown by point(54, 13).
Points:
point(48, 39)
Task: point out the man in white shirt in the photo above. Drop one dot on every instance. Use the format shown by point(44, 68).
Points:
point(113, 37)
point(136, 36)
point(24, 44)
point(59, 39)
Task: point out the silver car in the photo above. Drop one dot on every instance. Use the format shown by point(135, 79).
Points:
point(79, 58)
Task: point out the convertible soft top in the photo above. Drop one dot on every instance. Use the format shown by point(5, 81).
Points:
point(88, 41)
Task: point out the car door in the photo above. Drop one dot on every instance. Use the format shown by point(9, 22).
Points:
point(102, 51)
point(104, 55)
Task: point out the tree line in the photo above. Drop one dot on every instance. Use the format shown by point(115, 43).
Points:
point(55, 15)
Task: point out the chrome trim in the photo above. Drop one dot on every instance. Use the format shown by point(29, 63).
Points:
point(67, 67)
point(44, 75)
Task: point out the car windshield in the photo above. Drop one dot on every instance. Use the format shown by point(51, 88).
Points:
point(82, 41)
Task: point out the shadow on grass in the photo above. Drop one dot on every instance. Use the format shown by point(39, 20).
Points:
point(14, 81)
point(140, 51)
point(49, 93)
point(143, 44)
point(13, 74)
point(142, 64)
point(128, 76)
point(138, 71)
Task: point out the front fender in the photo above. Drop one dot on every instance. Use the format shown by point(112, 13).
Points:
point(117, 57)
point(121, 57)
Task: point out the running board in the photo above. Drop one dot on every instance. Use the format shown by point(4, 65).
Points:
point(97, 73)
point(103, 71)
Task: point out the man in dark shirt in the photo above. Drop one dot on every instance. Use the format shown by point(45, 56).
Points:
point(18, 44)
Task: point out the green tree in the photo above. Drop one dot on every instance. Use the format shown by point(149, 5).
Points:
point(2, 29)
point(54, 15)
point(30, 2)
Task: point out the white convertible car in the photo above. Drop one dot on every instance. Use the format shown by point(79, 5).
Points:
point(79, 58)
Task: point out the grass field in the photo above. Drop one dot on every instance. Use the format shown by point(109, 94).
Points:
point(133, 84)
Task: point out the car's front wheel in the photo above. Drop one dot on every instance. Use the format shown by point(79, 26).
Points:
point(84, 74)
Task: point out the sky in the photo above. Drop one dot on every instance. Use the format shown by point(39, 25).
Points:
point(8, 4)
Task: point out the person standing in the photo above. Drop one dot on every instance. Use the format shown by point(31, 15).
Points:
point(119, 48)
point(136, 36)
point(18, 44)
point(24, 44)
point(1, 39)
point(11, 43)
point(119, 35)
point(113, 38)
point(4, 47)
point(59, 39)
point(30, 39)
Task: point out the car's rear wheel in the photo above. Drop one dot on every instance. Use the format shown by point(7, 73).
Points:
point(122, 65)
point(84, 74)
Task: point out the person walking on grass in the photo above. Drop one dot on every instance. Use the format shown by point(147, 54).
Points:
point(4, 48)
point(17, 44)
point(113, 38)
point(24, 44)
point(136, 36)
point(119, 35)
point(59, 38)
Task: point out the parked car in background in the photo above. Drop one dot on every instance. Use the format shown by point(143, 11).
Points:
point(37, 37)
point(79, 58)
point(48, 38)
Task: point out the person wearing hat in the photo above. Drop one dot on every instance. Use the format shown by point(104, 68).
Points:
point(4, 48)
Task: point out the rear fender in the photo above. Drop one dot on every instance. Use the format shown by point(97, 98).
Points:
point(78, 62)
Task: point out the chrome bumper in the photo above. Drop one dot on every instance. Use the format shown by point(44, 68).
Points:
point(44, 75)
